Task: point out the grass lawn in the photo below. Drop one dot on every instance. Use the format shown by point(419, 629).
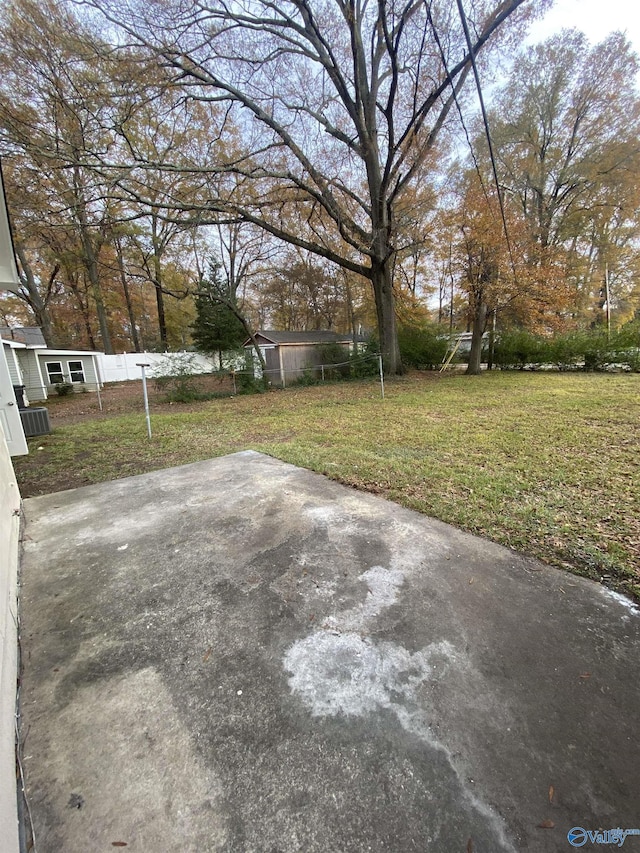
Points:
point(548, 464)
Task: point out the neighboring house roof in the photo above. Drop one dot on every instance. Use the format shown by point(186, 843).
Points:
point(30, 335)
point(13, 344)
point(316, 337)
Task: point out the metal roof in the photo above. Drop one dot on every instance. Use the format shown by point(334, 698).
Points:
point(314, 337)
point(30, 335)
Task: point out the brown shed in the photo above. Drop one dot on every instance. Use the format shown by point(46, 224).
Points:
point(288, 355)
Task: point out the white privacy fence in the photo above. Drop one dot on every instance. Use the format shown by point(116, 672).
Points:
point(120, 368)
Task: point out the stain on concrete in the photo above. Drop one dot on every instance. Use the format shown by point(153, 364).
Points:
point(134, 762)
point(336, 671)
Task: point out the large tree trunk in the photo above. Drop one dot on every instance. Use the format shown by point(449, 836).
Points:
point(32, 296)
point(162, 323)
point(94, 280)
point(386, 314)
point(350, 314)
point(479, 324)
point(127, 296)
point(90, 258)
point(83, 304)
point(157, 283)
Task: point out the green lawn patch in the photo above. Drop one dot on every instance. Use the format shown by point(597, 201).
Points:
point(545, 463)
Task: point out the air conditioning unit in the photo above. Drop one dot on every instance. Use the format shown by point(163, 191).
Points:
point(35, 421)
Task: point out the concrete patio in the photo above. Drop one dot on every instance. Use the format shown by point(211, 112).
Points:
point(240, 655)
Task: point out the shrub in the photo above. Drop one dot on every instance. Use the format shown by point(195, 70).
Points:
point(625, 346)
point(517, 348)
point(596, 350)
point(364, 359)
point(628, 336)
point(247, 383)
point(306, 379)
point(334, 354)
point(422, 346)
point(359, 363)
point(176, 378)
point(567, 351)
point(63, 389)
point(589, 350)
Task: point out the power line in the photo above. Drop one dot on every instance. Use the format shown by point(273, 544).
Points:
point(485, 120)
point(457, 102)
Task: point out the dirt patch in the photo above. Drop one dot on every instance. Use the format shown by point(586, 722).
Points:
point(124, 398)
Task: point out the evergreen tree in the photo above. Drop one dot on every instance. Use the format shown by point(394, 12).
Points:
point(218, 326)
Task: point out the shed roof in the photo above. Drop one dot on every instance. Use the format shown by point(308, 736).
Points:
point(314, 337)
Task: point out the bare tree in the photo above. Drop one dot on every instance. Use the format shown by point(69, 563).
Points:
point(327, 111)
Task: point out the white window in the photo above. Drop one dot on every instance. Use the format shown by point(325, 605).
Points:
point(76, 371)
point(54, 372)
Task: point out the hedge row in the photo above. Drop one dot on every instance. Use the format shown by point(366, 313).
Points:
point(424, 347)
point(586, 350)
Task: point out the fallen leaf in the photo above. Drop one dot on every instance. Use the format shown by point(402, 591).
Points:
point(207, 656)
point(546, 824)
point(551, 793)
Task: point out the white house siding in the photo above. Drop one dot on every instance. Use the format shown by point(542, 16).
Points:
point(63, 357)
point(12, 364)
point(9, 534)
point(31, 375)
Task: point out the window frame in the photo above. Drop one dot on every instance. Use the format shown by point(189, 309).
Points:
point(76, 370)
point(59, 372)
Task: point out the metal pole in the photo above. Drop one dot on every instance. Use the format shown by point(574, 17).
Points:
point(606, 296)
point(381, 375)
point(492, 341)
point(98, 379)
point(146, 397)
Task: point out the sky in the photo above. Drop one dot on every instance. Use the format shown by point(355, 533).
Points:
point(596, 18)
